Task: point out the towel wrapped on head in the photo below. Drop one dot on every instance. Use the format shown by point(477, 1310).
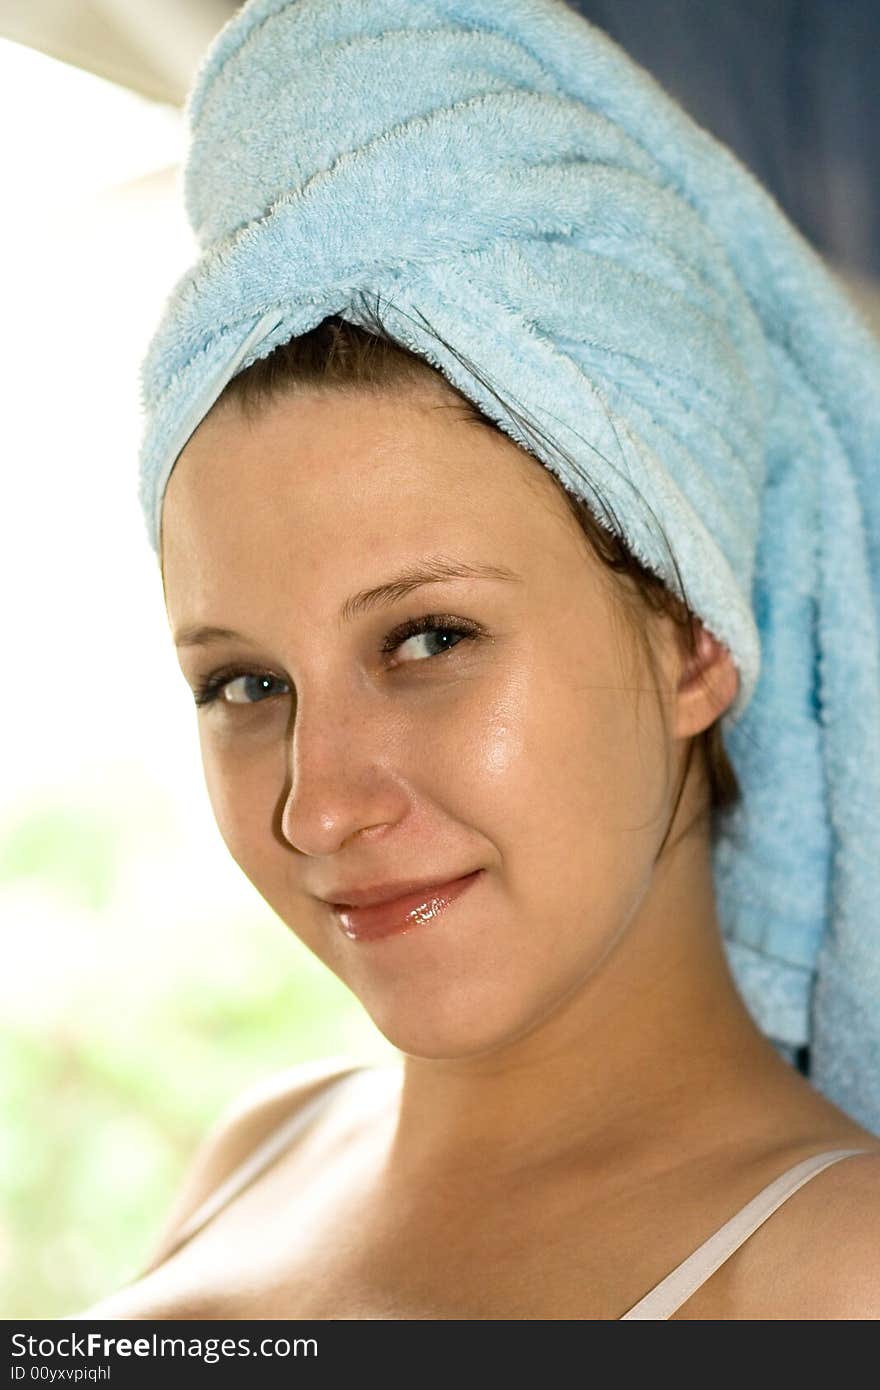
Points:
point(507, 176)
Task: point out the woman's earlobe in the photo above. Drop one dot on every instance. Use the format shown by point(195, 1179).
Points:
point(708, 682)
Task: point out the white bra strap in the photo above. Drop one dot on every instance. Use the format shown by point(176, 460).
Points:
point(686, 1278)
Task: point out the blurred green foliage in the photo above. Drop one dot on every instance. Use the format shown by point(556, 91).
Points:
point(76, 849)
point(111, 1076)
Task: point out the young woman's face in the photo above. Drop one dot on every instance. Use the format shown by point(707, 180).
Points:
point(341, 752)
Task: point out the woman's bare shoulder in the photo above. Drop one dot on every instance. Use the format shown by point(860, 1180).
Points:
point(818, 1256)
point(243, 1124)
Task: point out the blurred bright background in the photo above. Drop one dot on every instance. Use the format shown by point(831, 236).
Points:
point(144, 981)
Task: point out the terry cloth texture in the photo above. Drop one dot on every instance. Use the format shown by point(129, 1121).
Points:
point(505, 175)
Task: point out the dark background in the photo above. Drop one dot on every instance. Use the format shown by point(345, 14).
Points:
point(792, 86)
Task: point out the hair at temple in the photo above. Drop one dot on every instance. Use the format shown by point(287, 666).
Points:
point(340, 355)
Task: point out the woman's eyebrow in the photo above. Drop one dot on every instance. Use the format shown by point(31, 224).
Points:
point(434, 570)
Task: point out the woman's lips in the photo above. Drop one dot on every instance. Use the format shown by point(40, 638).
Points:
point(385, 919)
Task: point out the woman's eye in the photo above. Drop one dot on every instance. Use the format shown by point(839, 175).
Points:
point(422, 638)
point(236, 688)
point(250, 688)
point(413, 641)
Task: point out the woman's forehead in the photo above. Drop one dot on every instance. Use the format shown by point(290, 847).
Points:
point(350, 464)
point(334, 498)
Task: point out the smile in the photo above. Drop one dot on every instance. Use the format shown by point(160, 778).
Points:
point(402, 914)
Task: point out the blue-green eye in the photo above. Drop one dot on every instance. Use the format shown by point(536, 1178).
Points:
point(254, 687)
point(432, 627)
point(253, 683)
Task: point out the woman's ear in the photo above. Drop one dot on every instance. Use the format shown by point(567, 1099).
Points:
point(707, 685)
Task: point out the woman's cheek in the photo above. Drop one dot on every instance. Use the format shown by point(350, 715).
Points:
point(244, 783)
point(470, 755)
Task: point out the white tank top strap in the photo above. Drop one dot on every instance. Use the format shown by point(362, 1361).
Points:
point(256, 1163)
point(668, 1296)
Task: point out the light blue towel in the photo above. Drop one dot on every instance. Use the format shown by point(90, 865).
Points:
point(505, 170)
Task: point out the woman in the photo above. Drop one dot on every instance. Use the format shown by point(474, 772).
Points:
point(426, 664)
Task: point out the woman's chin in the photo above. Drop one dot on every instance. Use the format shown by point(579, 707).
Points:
point(424, 1028)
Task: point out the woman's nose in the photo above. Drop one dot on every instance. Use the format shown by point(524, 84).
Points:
point(345, 777)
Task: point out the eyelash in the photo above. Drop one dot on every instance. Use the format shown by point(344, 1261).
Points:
point(208, 690)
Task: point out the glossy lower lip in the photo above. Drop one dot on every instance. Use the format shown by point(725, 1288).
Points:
point(403, 914)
